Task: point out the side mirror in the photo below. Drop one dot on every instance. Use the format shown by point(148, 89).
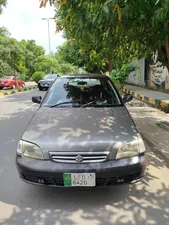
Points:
point(127, 98)
point(37, 99)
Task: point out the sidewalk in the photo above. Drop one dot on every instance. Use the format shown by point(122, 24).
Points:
point(157, 99)
point(28, 87)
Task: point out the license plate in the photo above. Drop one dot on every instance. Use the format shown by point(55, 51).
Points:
point(79, 179)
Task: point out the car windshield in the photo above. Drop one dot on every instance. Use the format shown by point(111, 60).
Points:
point(50, 76)
point(6, 78)
point(82, 92)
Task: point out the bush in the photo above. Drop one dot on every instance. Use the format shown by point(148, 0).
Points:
point(37, 76)
point(120, 75)
point(24, 77)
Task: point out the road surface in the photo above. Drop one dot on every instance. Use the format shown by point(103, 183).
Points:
point(144, 203)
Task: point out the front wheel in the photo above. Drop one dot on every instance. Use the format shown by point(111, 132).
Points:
point(1, 88)
point(40, 88)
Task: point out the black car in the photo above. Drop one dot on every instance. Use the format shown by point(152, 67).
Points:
point(81, 135)
point(46, 82)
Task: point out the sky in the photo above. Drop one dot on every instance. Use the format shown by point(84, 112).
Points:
point(23, 18)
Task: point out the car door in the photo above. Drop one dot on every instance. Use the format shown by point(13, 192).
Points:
point(18, 82)
point(12, 81)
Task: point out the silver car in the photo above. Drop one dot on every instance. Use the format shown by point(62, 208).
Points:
point(47, 81)
point(82, 135)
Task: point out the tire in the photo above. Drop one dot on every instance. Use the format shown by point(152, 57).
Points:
point(1, 88)
point(40, 88)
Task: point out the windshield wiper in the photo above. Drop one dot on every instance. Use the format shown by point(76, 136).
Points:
point(90, 103)
point(63, 103)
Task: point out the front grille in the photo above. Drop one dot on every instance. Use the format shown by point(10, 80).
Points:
point(56, 181)
point(123, 179)
point(100, 181)
point(79, 157)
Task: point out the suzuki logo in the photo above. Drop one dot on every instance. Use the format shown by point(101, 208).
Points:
point(79, 158)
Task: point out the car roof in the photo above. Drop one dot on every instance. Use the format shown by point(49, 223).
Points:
point(51, 74)
point(85, 76)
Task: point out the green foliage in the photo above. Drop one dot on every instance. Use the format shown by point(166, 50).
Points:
point(5, 69)
point(123, 29)
point(71, 53)
point(37, 76)
point(24, 77)
point(46, 64)
point(25, 57)
point(66, 68)
point(4, 32)
point(81, 57)
point(2, 3)
point(18, 56)
point(120, 75)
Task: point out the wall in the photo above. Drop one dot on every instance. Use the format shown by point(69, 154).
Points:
point(158, 75)
point(138, 77)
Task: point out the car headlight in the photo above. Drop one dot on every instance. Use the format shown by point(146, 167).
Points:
point(131, 149)
point(29, 150)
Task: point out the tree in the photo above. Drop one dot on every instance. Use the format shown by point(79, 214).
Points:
point(124, 28)
point(95, 27)
point(4, 68)
point(4, 32)
point(31, 52)
point(18, 56)
point(37, 76)
point(2, 4)
point(82, 57)
point(46, 64)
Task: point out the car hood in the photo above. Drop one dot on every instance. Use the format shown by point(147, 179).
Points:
point(80, 129)
point(47, 80)
point(4, 80)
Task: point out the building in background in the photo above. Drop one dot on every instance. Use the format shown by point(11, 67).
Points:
point(149, 73)
point(137, 77)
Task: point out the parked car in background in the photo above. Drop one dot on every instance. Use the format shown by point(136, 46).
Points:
point(47, 81)
point(82, 135)
point(11, 82)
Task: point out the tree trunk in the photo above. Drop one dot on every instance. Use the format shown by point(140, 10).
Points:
point(110, 66)
point(167, 44)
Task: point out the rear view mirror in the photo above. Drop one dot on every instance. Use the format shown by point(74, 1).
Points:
point(37, 99)
point(127, 98)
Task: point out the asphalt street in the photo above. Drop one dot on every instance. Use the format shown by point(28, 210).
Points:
point(143, 203)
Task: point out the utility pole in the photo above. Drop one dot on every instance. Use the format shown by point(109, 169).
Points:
point(48, 33)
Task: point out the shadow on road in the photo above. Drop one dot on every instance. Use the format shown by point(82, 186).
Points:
point(144, 203)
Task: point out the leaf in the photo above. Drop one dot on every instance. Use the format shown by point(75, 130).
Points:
point(41, 4)
point(119, 13)
point(45, 3)
point(106, 9)
point(157, 2)
point(100, 18)
point(107, 2)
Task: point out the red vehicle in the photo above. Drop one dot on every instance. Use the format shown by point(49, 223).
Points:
point(11, 82)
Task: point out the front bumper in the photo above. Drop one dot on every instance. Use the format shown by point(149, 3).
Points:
point(50, 173)
point(4, 85)
point(44, 86)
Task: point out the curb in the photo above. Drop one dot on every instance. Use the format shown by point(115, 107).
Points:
point(159, 104)
point(5, 93)
point(164, 125)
